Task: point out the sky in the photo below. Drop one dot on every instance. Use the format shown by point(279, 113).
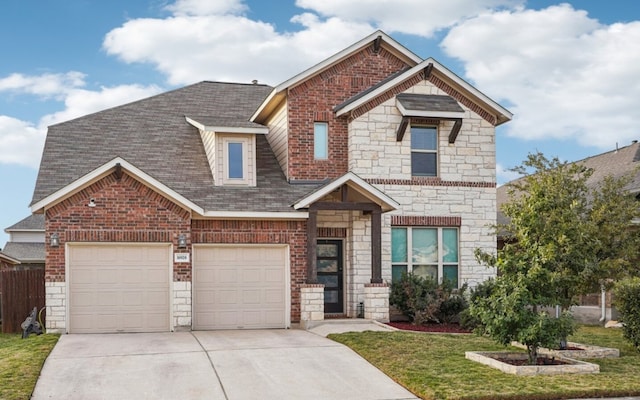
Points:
point(569, 71)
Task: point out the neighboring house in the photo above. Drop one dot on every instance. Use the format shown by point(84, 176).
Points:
point(616, 163)
point(228, 206)
point(26, 241)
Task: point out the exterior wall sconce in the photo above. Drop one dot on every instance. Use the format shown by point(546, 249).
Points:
point(54, 240)
point(182, 241)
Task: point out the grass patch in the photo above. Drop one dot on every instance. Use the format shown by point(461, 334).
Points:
point(433, 366)
point(20, 363)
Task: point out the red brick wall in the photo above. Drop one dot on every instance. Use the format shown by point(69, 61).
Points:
point(125, 211)
point(293, 233)
point(314, 100)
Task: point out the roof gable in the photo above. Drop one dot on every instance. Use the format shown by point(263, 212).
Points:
point(431, 70)
point(378, 39)
point(356, 183)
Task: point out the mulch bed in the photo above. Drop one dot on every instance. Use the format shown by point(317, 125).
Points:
point(539, 361)
point(433, 328)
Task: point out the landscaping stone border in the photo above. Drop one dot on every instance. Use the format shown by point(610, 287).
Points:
point(588, 351)
point(573, 366)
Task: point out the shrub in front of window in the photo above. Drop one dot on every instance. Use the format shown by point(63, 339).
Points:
point(423, 300)
point(627, 301)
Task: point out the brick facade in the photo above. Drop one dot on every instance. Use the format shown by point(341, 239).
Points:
point(293, 233)
point(125, 211)
point(314, 100)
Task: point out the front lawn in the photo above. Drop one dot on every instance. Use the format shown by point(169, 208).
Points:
point(433, 366)
point(20, 363)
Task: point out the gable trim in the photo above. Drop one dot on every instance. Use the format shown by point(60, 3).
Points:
point(105, 170)
point(426, 69)
point(377, 38)
point(227, 129)
point(9, 259)
point(366, 189)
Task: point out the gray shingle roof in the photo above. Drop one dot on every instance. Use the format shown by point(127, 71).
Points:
point(31, 223)
point(153, 135)
point(25, 252)
point(428, 102)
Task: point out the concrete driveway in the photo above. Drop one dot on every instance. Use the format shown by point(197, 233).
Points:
point(260, 364)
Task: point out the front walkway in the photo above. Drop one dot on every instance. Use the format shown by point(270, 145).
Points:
point(247, 364)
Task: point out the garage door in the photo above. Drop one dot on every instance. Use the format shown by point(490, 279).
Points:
point(119, 288)
point(240, 287)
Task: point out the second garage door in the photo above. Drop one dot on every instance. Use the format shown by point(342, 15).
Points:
point(240, 287)
point(119, 288)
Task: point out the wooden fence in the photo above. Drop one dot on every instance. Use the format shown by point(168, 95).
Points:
point(21, 291)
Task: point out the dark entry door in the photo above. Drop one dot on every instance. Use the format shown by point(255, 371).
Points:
point(330, 274)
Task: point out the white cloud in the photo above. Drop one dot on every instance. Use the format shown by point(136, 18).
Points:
point(191, 46)
point(199, 7)
point(81, 102)
point(21, 142)
point(565, 75)
point(45, 85)
point(418, 17)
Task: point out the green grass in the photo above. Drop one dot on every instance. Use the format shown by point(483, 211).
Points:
point(433, 367)
point(20, 363)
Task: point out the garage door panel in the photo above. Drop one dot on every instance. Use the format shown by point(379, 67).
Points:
point(119, 288)
point(247, 282)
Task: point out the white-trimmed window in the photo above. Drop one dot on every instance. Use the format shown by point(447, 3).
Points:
point(425, 251)
point(321, 140)
point(236, 160)
point(424, 151)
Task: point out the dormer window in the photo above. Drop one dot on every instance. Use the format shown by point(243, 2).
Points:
point(236, 160)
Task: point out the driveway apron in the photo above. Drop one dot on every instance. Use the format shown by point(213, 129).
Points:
point(226, 365)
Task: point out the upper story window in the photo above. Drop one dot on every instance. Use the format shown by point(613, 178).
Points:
point(236, 160)
point(321, 140)
point(424, 151)
point(426, 252)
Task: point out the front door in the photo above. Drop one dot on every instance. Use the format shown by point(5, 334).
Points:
point(329, 263)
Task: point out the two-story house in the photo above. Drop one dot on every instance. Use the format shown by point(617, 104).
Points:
point(229, 206)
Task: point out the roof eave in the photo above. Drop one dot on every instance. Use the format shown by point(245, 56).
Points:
point(104, 170)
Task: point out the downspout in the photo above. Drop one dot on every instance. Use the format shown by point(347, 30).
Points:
point(603, 299)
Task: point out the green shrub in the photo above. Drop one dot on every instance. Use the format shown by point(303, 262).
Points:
point(424, 300)
point(627, 301)
point(481, 291)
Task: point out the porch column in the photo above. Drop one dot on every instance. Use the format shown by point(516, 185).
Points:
point(312, 234)
point(376, 245)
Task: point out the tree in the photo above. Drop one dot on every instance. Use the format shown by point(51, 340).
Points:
point(565, 237)
point(578, 231)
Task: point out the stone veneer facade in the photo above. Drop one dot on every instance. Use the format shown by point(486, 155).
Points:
point(463, 194)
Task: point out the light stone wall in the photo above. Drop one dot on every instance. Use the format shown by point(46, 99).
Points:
point(475, 206)
point(466, 165)
point(56, 304)
point(182, 305)
point(376, 302)
point(374, 152)
point(311, 305)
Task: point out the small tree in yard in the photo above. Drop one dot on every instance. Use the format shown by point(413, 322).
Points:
point(627, 295)
point(565, 238)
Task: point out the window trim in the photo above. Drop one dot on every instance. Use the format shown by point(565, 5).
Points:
point(245, 142)
point(426, 151)
point(325, 141)
point(440, 264)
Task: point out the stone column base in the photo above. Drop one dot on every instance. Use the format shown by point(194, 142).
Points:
point(311, 305)
point(376, 301)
